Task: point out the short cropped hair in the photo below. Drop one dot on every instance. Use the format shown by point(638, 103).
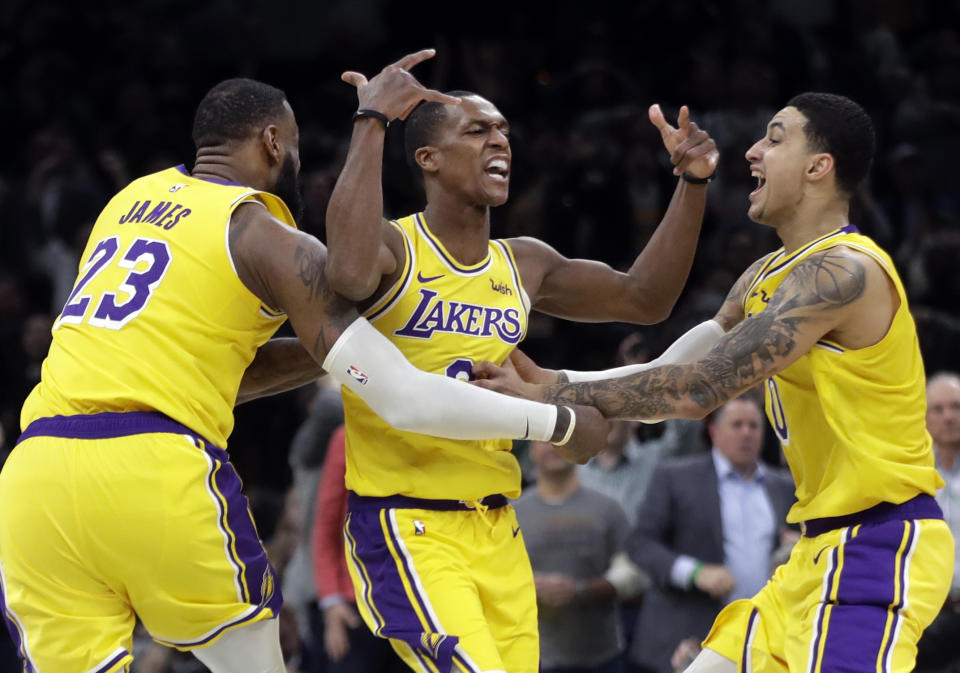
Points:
point(421, 125)
point(234, 109)
point(840, 127)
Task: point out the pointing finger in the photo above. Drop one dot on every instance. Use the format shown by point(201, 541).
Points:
point(437, 97)
point(354, 78)
point(413, 59)
point(683, 119)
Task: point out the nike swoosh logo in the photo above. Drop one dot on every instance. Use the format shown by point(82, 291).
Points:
point(515, 531)
point(817, 557)
point(427, 279)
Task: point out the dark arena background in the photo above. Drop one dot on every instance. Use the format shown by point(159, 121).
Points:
point(93, 95)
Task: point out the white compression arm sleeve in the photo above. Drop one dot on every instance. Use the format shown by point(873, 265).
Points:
point(413, 400)
point(691, 346)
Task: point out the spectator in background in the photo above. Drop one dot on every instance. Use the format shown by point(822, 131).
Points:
point(939, 649)
point(575, 538)
point(706, 532)
point(349, 645)
point(307, 452)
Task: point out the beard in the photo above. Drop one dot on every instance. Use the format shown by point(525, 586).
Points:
point(287, 187)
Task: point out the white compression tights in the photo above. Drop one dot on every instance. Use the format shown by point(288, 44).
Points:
point(246, 649)
point(709, 661)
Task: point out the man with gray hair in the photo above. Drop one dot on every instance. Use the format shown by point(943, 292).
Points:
point(939, 646)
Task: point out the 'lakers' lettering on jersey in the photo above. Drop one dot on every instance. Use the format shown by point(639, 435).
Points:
point(851, 422)
point(158, 319)
point(444, 316)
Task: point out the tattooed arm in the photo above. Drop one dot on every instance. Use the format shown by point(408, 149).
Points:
point(839, 293)
point(279, 365)
point(284, 268)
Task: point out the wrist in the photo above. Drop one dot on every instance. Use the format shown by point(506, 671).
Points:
point(695, 180)
point(566, 423)
point(696, 571)
point(370, 113)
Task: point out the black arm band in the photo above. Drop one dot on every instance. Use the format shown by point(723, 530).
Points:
point(694, 180)
point(375, 114)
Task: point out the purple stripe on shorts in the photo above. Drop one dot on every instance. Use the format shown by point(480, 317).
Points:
point(259, 577)
point(106, 425)
point(895, 623)
point(822, 608)
point(113, 662)
point(387, 592)
point(747, 640)
point(421, 600)
point(866, 590)
point(206, 639)
point(14, 630)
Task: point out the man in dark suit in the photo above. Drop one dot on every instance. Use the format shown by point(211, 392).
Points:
point(706, 532)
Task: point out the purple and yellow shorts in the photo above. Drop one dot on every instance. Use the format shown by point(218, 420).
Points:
point(108, 516)
point(855, 595)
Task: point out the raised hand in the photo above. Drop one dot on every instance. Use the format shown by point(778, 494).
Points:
point(691, 149)
point(394, 91)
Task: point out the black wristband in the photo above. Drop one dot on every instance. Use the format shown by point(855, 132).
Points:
point(694, 180)
point(374, 114)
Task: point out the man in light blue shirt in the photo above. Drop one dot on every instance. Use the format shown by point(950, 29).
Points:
point(940, 646)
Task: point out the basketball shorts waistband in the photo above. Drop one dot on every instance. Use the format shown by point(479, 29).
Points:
point(922, 506)
point(363, 502)
point(109, 425)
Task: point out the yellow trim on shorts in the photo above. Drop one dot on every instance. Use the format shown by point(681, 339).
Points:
point(244, 588)
point(368, 588)
point(404, 578)
point(898, 589)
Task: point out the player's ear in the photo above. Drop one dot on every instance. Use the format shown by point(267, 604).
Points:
point(427, 158)
point(820, 166)
point(270, 141)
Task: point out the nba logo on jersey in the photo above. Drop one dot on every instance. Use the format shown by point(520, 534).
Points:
point(177, 187)
point(358, 375)
point(419, 528)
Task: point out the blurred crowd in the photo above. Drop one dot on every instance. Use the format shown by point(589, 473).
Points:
point(96, 98)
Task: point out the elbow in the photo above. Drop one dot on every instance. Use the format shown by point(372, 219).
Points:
point(350, 281)
point(651, 308)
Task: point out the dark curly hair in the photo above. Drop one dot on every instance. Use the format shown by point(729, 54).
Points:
point(421, 124)
point(840, 127)
point(234, 109)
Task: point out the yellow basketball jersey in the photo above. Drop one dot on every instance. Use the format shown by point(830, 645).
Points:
point(158, 319)
point(851, 422)
point(443, 316)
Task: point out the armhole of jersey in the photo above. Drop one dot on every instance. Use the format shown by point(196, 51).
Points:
point(897, 284)
point(226, 230)
point(758, 277)
point(515, 270)
point(268, 311)
point(398, 289)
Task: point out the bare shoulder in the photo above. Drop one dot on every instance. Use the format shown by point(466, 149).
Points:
point(535, 260)
point(731, 311)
